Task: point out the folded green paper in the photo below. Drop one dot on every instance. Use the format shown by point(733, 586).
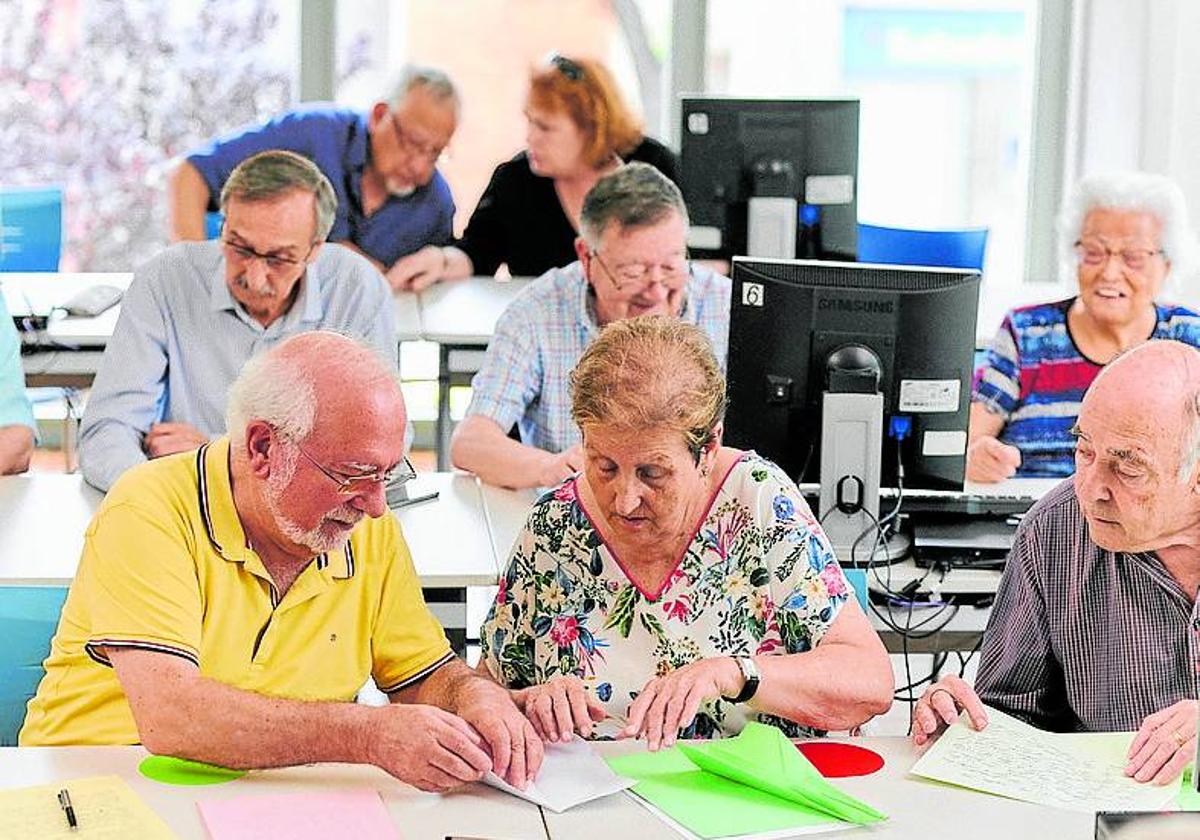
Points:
point(755, 783)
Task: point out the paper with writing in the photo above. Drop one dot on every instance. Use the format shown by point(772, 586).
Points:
point(1076, 771)
point(106, 808)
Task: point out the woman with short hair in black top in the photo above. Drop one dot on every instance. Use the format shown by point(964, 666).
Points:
point(579, 131)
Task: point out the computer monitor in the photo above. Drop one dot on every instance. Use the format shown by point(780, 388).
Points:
point(851, 352)
point(749, 166)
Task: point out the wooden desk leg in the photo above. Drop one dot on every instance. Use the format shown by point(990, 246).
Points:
point(443, 416)
point(449, 607)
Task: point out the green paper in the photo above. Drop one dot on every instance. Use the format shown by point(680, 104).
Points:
point(762, 758)
point(1188, 799)
point(180, 771)
point(710, 804)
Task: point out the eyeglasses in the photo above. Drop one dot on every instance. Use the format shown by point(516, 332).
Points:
point(1095, 253)
point(275, 264)
point(414, 146)
point(635, 275)
point(570, 69)
point(350, 485)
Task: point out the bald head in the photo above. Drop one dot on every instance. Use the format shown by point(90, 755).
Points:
point(1155, 381)
point(312, 381)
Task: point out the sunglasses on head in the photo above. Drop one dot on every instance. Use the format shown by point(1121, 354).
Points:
point(566, 66)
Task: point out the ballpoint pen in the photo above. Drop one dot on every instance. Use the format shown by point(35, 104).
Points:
point(64, 802)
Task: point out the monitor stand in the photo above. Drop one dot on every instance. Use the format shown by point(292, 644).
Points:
point(851, 446)
point(771, 227)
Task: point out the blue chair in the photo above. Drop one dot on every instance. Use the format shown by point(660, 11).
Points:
point(945, 248)
point(31, 229)
point(28, 618)
point(212, 224)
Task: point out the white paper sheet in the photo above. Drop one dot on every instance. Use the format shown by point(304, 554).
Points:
point(1077, 771)
point(571, 774)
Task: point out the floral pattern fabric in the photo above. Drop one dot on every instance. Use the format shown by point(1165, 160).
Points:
point(758, 577)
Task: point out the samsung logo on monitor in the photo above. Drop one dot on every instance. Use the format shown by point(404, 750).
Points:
point(858, 307)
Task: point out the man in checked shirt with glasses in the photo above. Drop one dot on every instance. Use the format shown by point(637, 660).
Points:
point(1096, 625)
point(633, 261)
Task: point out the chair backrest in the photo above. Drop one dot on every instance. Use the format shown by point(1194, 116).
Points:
point(31, 228)
point(28, 618)
point(945, 248)
point(212, 224)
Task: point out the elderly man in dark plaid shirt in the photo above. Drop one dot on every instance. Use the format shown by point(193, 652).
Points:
point(1096, 625)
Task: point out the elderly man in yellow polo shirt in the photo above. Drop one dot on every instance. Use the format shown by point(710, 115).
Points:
point(230, 601)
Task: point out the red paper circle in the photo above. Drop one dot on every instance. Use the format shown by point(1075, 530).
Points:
point(836, 760)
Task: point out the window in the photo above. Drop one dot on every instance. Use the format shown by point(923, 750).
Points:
point(946, 92)
point(98, 96)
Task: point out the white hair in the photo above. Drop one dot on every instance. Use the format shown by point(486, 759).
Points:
point(272, 388)
point(1143, 192)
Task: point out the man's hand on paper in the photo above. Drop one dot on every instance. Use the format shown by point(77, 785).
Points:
point(559, 708)
point(670, 702)
point(1164, 745)
point(940, 706)
point(514, 744)
point(427, 747)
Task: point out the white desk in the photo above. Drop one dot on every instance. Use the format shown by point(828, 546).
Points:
point(461, 315)
point(39, 293)
point(407, 309)
point(43, 517)
point(476, 811)
point(506, 511)
point(916, 808)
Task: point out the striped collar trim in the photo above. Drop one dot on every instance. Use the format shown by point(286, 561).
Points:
point(341, 565)
point(214, 498)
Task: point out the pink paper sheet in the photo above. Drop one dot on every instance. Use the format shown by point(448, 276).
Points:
point(298, 816)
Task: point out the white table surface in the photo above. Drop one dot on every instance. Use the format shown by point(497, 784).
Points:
point(506, 512)
point(476, 811)
point(407, 310)
point(43, 517)
point(916, 808)
point(465, 311)
point(38, 293)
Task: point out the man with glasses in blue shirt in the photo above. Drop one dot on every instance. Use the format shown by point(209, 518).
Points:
point(198, 310)
point(632, 261)
point(391, 200)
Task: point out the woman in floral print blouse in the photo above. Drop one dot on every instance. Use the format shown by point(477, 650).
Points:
point(645, 595)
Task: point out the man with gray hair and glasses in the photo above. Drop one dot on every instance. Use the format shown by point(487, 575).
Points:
point(632, 261)
point(1096, 624)
point(197, 311)
point(230, 602)
point(391, 200)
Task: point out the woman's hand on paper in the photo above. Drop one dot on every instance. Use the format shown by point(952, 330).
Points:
point(560, 708)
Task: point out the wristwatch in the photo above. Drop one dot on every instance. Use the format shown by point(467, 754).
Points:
point(750, 675)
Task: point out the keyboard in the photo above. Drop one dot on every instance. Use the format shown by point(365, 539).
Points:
point(1006, 498)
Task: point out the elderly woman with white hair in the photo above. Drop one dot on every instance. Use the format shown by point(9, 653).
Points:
point(1124, 235)
point(676, 587)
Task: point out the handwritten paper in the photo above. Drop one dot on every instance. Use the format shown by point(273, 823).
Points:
point(1076, 772)
point(356, 813)
point(571, 774)
point(106, 808)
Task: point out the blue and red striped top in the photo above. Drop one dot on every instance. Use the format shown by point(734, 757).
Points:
point(1035, 377)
